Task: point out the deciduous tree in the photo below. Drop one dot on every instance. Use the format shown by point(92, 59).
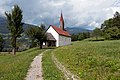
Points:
point(111, 27)
point(31, 33)
point(97, 32)
point(15, 25)
point(37, 33)
point(41, 35)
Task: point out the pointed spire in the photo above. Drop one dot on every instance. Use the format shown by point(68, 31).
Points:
point(61, 21)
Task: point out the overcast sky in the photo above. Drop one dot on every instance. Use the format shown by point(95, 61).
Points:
point(77, 13)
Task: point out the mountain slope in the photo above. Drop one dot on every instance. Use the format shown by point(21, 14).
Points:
point(3, 26)
point(75, 30)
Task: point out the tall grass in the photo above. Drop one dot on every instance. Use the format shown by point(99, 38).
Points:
point(92, 60)
point(50, 71)
point(15, 67)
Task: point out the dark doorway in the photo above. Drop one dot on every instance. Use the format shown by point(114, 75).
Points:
point(51, 43)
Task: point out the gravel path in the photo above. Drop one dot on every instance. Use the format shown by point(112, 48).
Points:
point(66, 72)
point(35, 71)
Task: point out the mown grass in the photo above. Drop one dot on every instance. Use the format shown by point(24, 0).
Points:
point(50, 71)
point(14, 67)
point(92, 60)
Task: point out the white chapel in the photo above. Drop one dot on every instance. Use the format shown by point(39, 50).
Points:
point(58, 36)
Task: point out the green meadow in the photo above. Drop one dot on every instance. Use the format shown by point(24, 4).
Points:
point(92, 60)
point(15, 67)
point(50, 71)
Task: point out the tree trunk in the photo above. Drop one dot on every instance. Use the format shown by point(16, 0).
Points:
point(14, 47)
point(40, 45)
point(14, 51)
point(33, 43)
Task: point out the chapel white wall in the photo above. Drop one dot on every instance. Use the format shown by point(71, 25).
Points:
point(55, 35)
point(63, 40)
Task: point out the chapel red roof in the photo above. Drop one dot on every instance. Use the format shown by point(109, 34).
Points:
point(60, 31)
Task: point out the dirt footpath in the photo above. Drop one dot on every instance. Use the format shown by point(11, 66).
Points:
point(35, 71)
point(67, 73)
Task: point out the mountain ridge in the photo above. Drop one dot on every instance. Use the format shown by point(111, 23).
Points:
point(71, 30)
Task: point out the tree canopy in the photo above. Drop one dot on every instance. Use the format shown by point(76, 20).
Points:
point(111, 27)
point(31, 32)
point(97, 32)
point(38, 34)
point(80, 36)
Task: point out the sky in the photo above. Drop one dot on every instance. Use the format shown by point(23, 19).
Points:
point(87, 14)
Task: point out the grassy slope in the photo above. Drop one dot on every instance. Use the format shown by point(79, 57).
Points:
point(50, 71)
point(15, 67)
point(92, 60)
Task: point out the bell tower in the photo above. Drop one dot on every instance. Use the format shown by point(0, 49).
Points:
point(61, 22)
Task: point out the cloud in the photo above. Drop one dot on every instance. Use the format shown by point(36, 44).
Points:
point(77, 13)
